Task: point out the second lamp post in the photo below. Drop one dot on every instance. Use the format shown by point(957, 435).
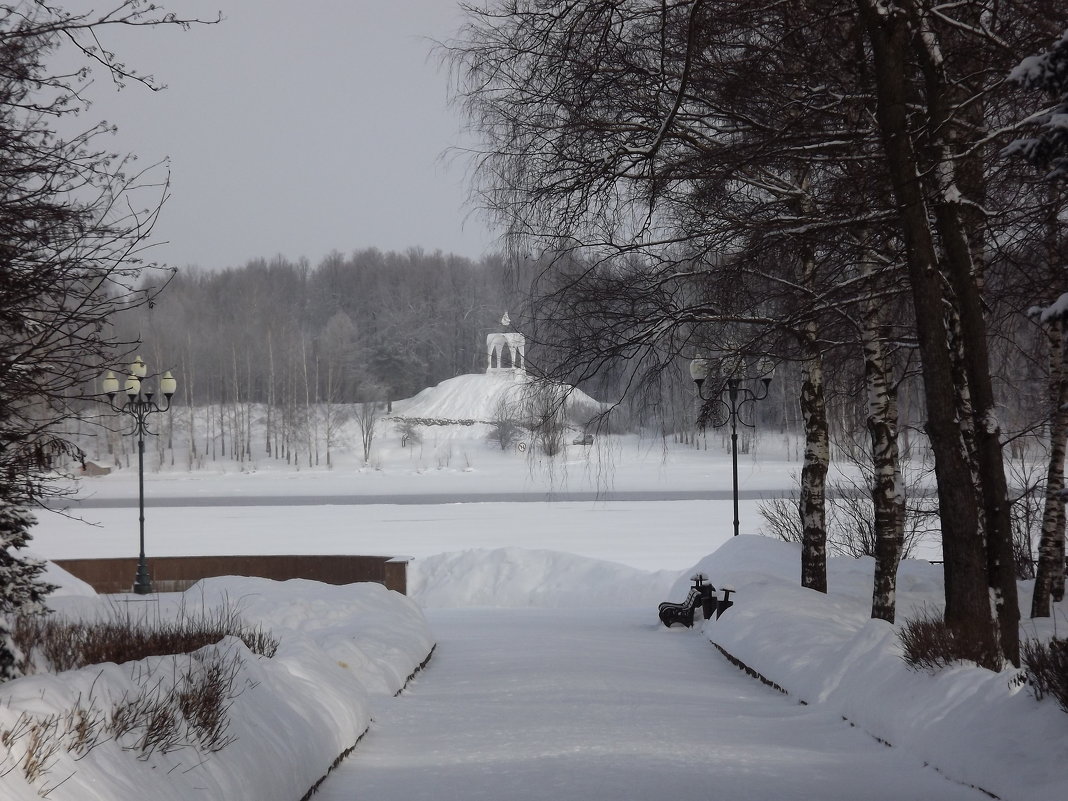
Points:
point(737, 398)
point(138, 404)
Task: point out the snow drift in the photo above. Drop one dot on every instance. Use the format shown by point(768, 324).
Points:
point(975, 726)
point(517, 577)
point(293, 714)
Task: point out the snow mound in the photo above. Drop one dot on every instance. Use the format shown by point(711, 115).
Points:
point(517, 577)
point(977, 726)
point(479, 396)
point(290, 717)
point(65, 583)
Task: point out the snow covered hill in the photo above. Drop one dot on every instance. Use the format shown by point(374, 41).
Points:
point(490, 396)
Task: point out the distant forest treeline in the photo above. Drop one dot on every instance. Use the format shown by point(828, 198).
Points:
point(380, 326)
point(370, 326)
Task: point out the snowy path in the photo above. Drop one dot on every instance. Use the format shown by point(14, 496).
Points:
point(553, 705)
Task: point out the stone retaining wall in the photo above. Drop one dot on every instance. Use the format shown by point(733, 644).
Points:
point(177, 573)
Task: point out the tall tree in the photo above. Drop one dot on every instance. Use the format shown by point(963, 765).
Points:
point(704, 171)
point(1047, 148)
point(728, 170)
point(72, 231)
point(939, 73)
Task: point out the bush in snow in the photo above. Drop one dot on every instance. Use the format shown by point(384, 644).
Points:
point(929, 643)
point(180, 702)
point(505, 429)
point(70, 644)
point(1046, 669)
point(185, 675)
point(408, 430)
point(22, 593)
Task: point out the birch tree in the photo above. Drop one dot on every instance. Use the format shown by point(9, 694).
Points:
point(937, 72)
point(688, 174)
point(1049, 576)
point(1047, 148)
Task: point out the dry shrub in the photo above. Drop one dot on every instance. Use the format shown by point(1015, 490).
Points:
point(41, 746)
point(68, 645)
point(186, 709)
point(929, 643)
point(1046, 669)
point(181, 702)
point(205, 698)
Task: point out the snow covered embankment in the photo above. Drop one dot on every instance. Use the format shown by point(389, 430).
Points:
point(971, 724)
point(524, 578)
point(294, 714)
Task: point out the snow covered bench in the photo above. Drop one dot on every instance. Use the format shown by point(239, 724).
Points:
point(701, 594)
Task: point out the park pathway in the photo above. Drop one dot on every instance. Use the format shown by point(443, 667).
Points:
point(592, 705)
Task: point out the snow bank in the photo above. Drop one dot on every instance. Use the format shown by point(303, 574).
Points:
point(518, 577)
point(465, 397)
point(295, 713)
point(342, 646)
point(972, 724)
point(65, 583)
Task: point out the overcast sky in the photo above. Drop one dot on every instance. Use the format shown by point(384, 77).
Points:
point(297, 128)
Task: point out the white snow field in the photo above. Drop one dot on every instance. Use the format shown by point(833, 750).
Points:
point(551, 677)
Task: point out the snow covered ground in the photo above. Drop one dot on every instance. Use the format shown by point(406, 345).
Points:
point(595, 568)
point(548, 704)
point(293, 714)
point(346, 649)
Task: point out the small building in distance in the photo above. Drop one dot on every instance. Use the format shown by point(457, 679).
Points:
point(506, 351)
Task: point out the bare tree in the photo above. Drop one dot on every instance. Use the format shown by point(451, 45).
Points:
point(367, 415)
point(757, 172)
point(679, 203)
point(937, 75)
point(72, 234)
point(1049, 578)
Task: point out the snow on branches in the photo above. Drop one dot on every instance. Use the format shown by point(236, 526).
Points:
point(21, 590)
point(1048, 72)
point(1058, 310)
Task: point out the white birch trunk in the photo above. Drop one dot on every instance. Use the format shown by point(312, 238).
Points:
point(887, 492)
point(812, 504)
point(1049, 578)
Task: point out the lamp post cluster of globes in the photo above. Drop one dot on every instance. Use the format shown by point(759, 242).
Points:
point(731, 399)
point(139, 401)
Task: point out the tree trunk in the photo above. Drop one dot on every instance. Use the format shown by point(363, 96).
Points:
point(812, 503)
point(960, 244)
point(886, 490)
point(967, 598)
point(1049, 579)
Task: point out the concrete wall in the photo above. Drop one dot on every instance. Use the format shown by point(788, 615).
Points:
point(177, 573)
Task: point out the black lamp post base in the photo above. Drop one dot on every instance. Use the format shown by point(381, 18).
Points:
point(142, 582)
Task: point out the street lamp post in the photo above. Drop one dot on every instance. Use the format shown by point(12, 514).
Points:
point(139, 405)
point(737, 398)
